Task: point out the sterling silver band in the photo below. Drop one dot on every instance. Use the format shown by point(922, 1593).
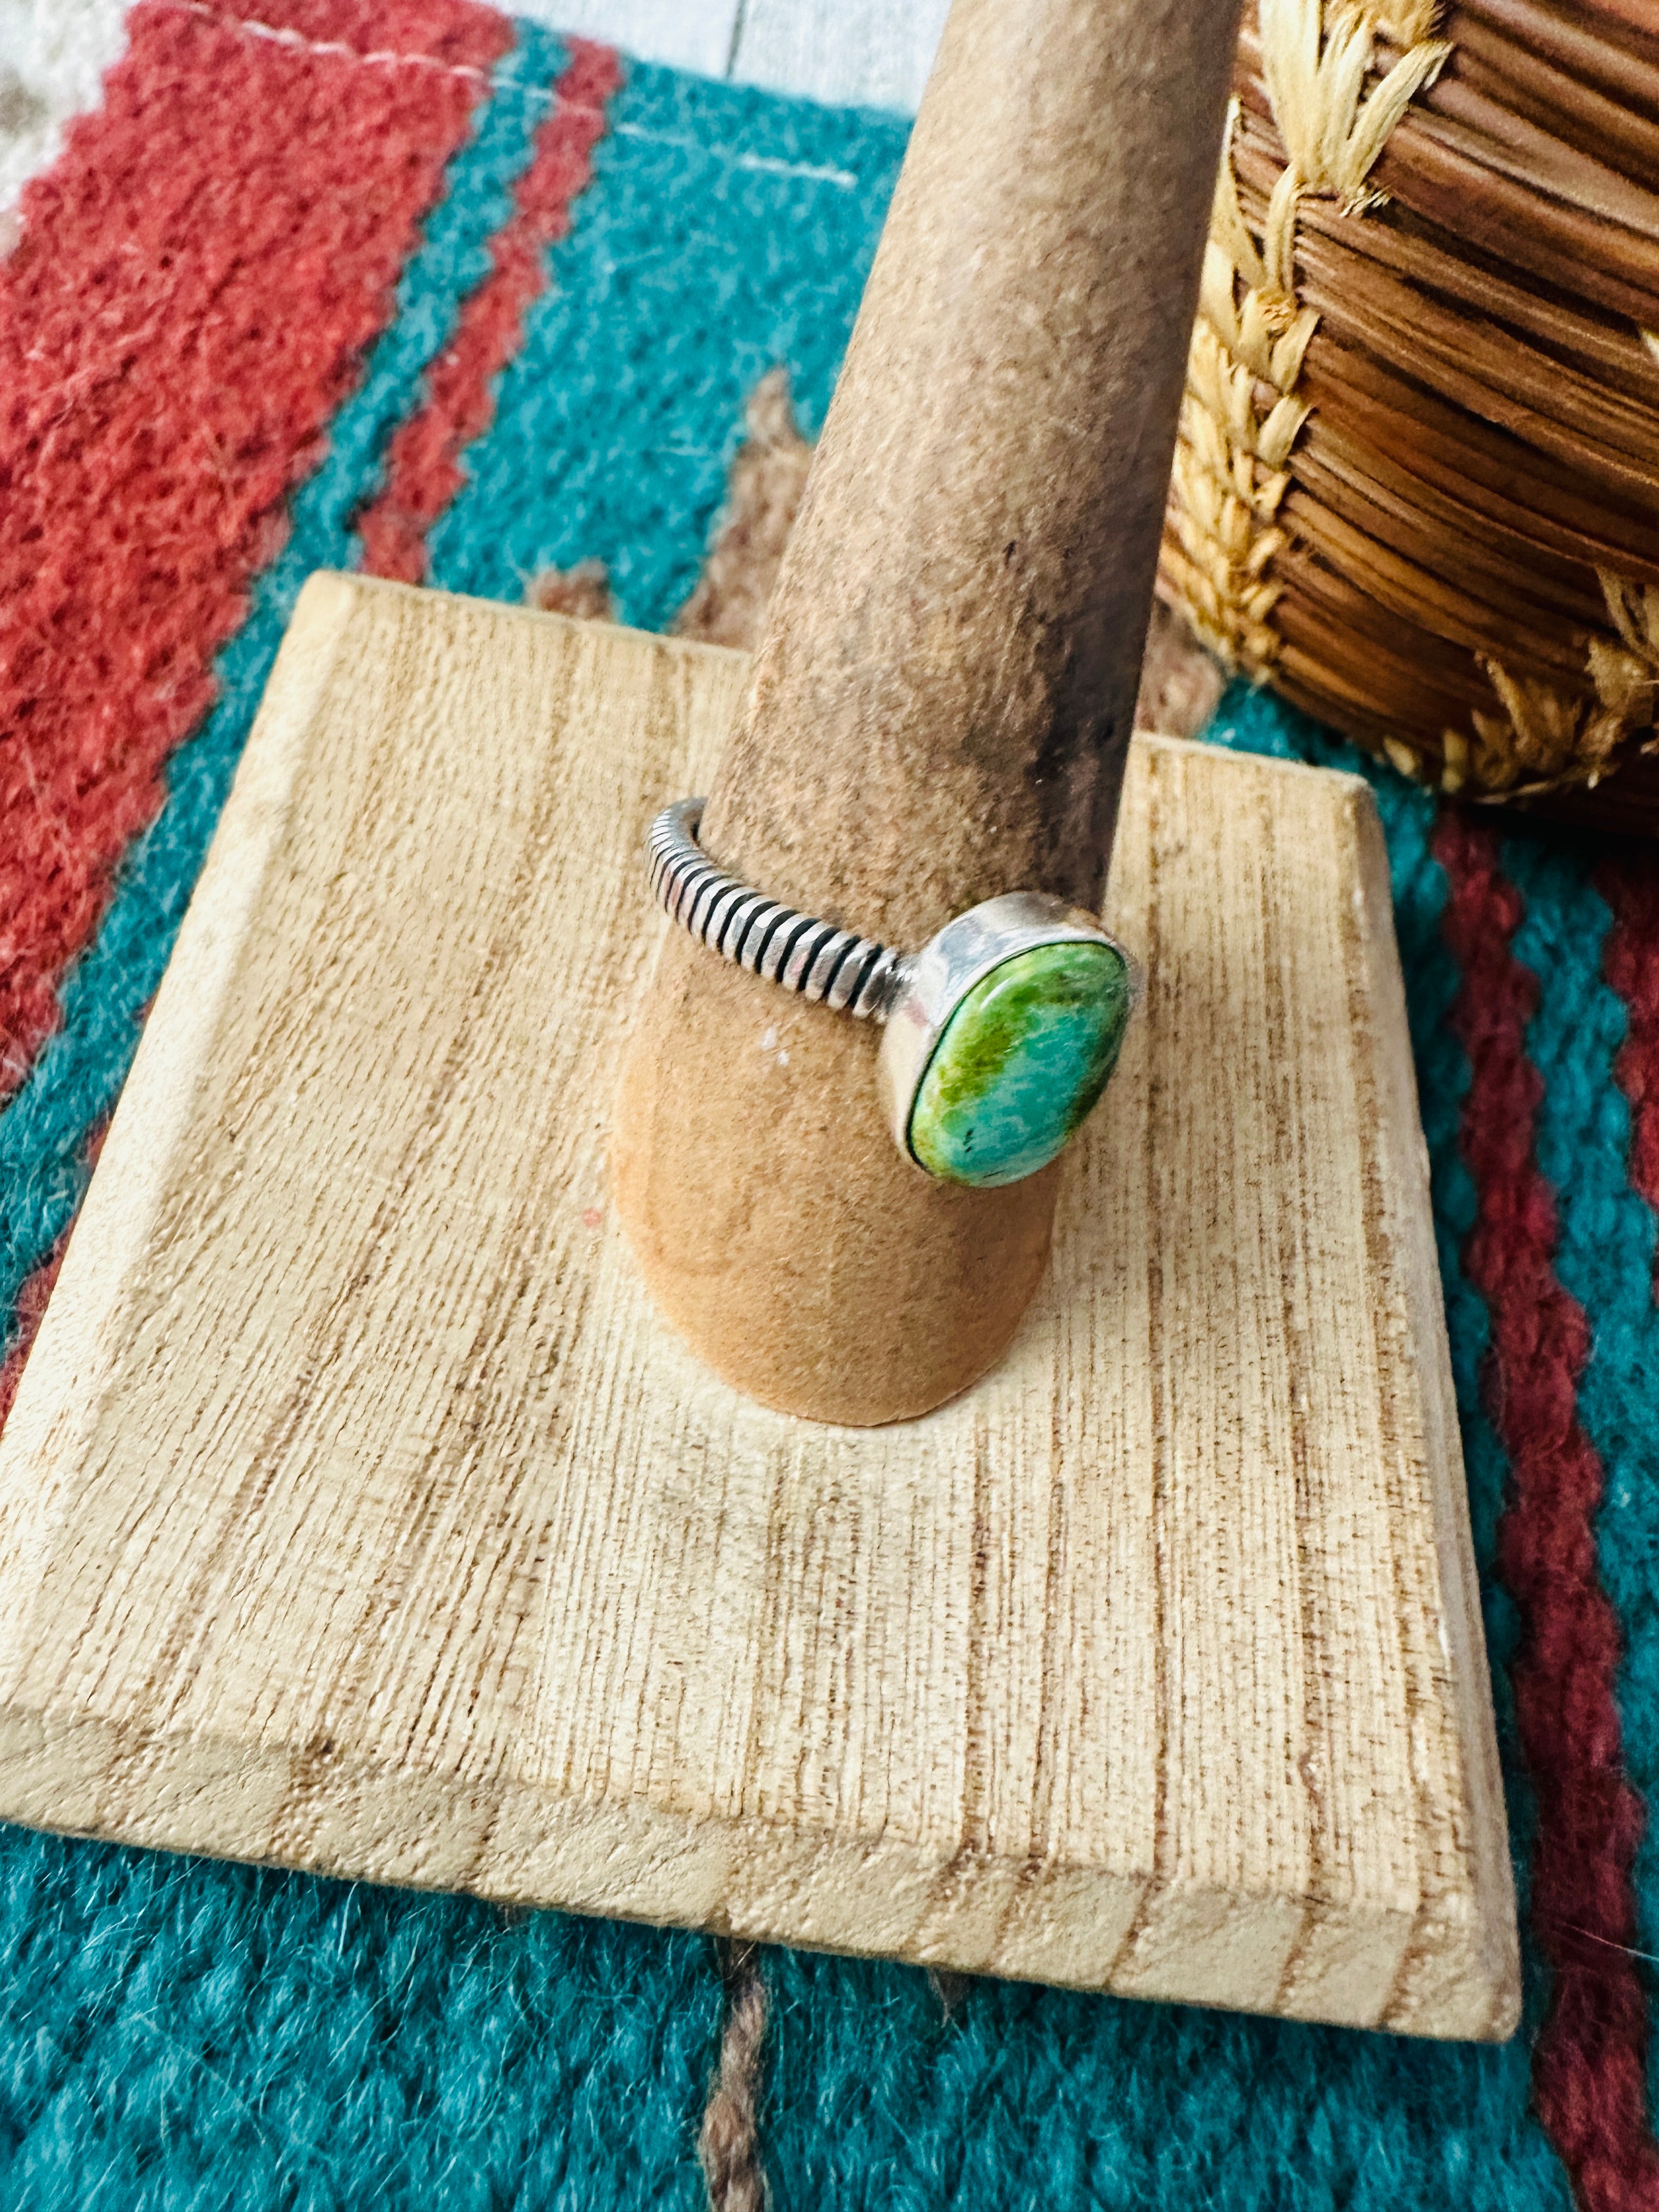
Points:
point(813, 959)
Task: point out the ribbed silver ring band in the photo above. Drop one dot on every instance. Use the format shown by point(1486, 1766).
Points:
point(813, 959)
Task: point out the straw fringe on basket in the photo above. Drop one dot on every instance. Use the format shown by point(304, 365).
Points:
point(1416, 484)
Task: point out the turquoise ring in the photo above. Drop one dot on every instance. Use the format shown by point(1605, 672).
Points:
point(1001, 1033)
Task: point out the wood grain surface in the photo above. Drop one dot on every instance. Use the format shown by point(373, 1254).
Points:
point(357, 1513)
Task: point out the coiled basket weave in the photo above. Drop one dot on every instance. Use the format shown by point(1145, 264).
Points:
point(1417, 487)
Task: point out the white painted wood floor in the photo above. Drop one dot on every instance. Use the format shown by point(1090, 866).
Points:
point(870, 52)
point(875, 53)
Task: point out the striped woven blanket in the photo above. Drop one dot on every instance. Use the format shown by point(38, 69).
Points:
point(407, 287)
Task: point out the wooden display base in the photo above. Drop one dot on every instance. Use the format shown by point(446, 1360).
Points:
point(356, 1512)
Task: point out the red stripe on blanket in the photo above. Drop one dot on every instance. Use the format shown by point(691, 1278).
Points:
point(195, 283)
point(424, 470)
point(1589, 2068)
point(1629, 885)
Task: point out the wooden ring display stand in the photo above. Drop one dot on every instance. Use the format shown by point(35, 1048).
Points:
point(359, 1513)
point(942, 701)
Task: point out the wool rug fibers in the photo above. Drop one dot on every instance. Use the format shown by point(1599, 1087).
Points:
point(411, 287)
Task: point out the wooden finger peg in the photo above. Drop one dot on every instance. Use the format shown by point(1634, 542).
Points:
point(941, 706)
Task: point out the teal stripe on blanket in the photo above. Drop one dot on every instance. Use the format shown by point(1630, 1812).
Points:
point(179, 2036)
point(725, 234)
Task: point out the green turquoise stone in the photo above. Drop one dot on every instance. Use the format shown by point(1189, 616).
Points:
point(1021, 1063)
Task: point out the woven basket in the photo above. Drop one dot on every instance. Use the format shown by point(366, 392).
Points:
point(1416, 486)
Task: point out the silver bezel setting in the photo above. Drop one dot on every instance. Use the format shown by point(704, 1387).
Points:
point(933, 985)
point(914, 996)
